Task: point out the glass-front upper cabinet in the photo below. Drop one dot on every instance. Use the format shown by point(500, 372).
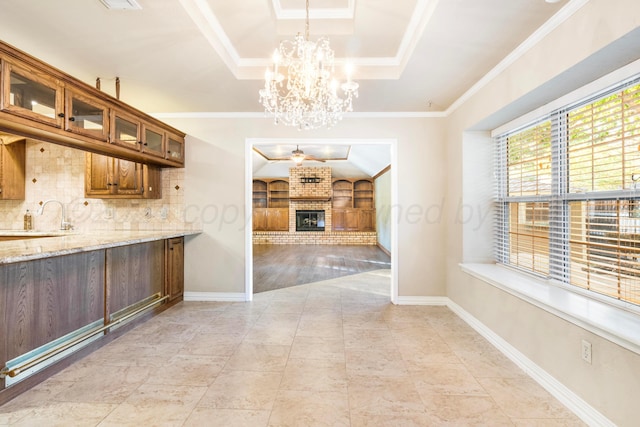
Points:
point(175, 148)
point(31, 94)
point(125, 130)
point(152, 140)
point(86, 115)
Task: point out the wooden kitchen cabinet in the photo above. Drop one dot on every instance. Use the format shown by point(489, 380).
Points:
point(31, 93)
point(12, 168)
point(353, 207)
point(41, 102)
point(345, 219)
point(174, 285)
point(85, 114)
point(109, 177)
point(134, 273)
point(366, 220)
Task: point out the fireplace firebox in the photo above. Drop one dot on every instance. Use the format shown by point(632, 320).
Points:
point(309, 220)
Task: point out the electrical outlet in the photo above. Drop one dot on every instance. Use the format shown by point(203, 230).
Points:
point(108, 213)
point(586, 351)
point(164, 212)
point(147, 213)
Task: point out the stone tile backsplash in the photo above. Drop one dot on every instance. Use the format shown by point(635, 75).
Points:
point(57, 172)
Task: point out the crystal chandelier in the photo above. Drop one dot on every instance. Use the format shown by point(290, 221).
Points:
point(307, 96)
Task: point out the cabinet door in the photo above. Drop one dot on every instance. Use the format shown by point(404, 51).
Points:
point(175, 268)
point(85, 115)
point(175, 148)
point(338, 220)
point(125, 130)
point(12, 169)
point(367, 220)
point(152, 140)
point(127, 177)
point(151, 182)
point(30, 93)
point(97, 177)
point(260, 219)
point(278, 219)
point(351, 219)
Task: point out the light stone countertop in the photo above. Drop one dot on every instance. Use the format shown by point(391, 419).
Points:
point(65, 243)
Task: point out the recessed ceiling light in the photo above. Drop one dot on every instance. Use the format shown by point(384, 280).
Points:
point(553, 1)
point(121, 4)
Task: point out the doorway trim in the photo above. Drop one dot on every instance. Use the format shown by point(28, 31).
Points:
point(250, 142)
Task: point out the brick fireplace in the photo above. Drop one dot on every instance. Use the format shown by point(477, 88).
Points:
point(310, 189)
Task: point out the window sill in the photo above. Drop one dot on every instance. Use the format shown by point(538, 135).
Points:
point(606, 320)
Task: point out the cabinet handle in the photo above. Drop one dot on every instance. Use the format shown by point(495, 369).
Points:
point(72, 119)
point(60, 114)
point(109, 185)
point(171, 248)
point(145, 144)
point(139, 142)
point(115, 184)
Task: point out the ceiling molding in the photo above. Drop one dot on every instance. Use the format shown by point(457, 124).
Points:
point(261, 115)
point(301, 14)
point(563, 14)
point(253, 68)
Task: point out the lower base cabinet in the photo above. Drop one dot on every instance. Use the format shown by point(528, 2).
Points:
point(174, 285)
point(353, 219)
point(270, 219)
point(49, 302)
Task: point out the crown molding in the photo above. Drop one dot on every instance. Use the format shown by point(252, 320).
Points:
point(556, 20)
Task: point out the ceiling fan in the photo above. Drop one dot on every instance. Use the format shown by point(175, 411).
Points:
point(298, 156)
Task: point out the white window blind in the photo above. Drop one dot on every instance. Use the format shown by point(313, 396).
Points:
point(567, 195)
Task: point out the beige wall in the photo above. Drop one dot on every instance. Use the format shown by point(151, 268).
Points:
point(612, 383)
point(215, 192)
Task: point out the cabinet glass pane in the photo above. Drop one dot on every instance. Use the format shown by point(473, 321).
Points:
point(126, 131)
point(87, 117)
point(33, 96)
point(174, 150)
point(152, 141)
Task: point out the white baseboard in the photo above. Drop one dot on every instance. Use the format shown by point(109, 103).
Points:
point(575, 403)
point(422, 300)
point(215, 296)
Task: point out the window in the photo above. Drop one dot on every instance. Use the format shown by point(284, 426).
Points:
point(567, 195)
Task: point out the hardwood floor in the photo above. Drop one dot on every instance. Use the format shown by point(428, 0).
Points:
point(282, 266)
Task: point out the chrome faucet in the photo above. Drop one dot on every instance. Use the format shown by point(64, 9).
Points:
point(64, 225)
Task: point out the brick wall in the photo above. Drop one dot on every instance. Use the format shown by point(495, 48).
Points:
point(314, 238)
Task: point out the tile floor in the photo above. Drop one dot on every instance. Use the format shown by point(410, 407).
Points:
point(333, 353)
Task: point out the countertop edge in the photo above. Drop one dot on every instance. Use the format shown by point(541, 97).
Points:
point(32, 249)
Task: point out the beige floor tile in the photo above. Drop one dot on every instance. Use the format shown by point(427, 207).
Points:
point(162, 394)
point(314, 375)
point(408, 419)
point(160, 415)
point(112, 385)
point(383, 396)
point(242, 390)
point(258, 357)
point(310, 408)
point(385, 362)
point(457, 410)
point(317, 348)
point(450, 378)
point(489, 364)
point(65, 414)
point(219, 345)
point(227, 418)
point(524, 398)
point(368, 338)
point(189, 370)
point(549, 422)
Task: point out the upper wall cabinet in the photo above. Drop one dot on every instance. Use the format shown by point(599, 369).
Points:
point(32, 94)
point(12, 168)
point(42, 102)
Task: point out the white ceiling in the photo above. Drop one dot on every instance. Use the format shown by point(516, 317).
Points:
point(209, 56)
